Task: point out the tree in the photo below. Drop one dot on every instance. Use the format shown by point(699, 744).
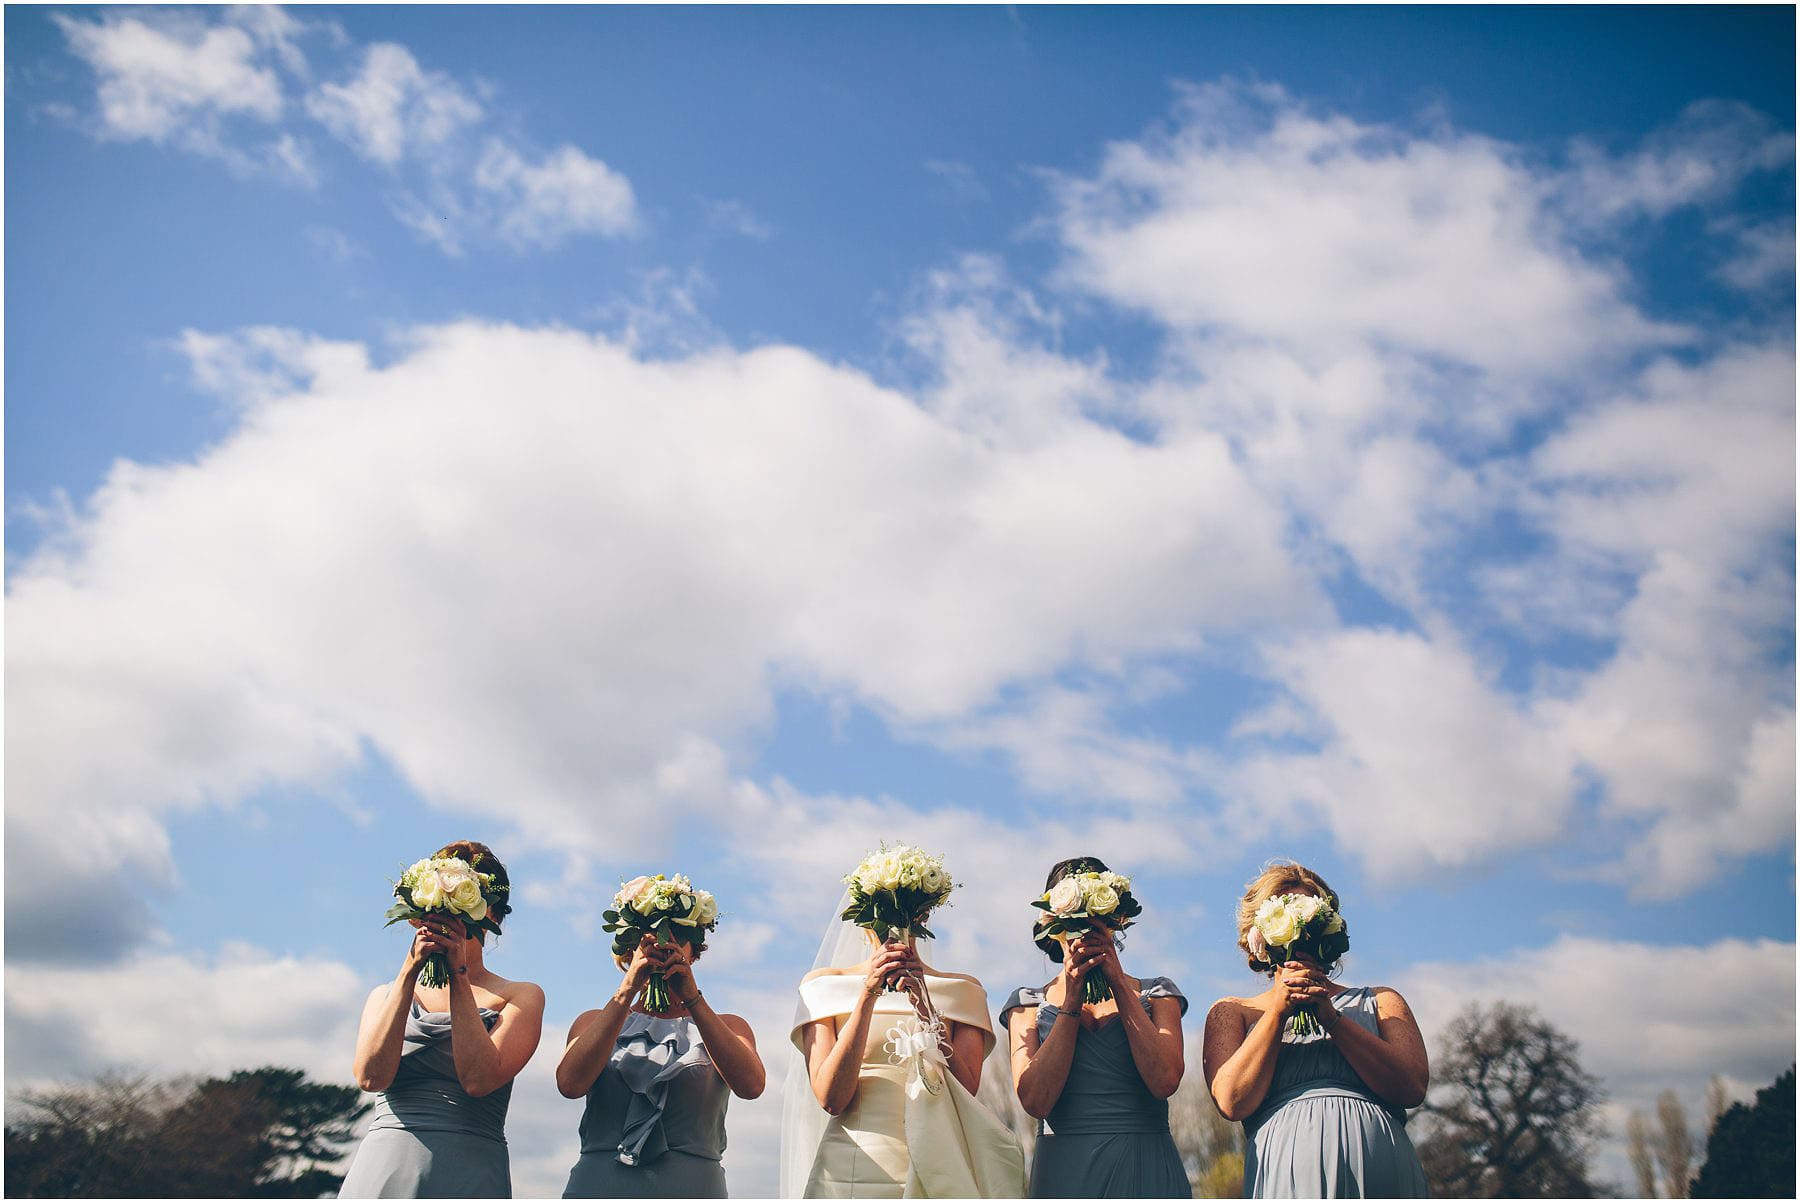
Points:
point(1211, 1146)
point(1750, 1154)
point(1512, 1112)
point(1637, 1151)
point(1674, 1146)
point(263, 1132)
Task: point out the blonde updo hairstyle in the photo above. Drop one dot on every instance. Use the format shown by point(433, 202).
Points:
point(1278, 876)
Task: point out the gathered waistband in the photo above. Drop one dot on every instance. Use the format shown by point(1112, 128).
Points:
point(1272, 1105)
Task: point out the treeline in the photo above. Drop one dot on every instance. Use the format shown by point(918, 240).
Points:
point(265, 1133)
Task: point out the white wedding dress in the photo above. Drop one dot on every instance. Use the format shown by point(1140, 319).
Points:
point(913, 1130)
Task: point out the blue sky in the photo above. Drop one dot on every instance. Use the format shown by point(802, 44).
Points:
point(717, 440)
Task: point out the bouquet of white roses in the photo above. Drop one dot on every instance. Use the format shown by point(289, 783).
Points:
point(1287, 924)
point(1080, 903)
point(893, 891)
point(445, 885)
point(668, 908)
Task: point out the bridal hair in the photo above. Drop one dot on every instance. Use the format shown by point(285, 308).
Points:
point(1053, 947)
point(481, 858)
point(1278, 876)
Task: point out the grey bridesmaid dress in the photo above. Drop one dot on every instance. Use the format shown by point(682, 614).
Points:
point(654, 1126)
point(430, 1138)
point(1108, 1136)
point(1321, 1133)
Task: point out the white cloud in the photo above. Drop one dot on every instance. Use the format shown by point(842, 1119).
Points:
point(1701, 156)
point(1687, 483)
point(566, 193)
point(155, 80)
point(1254, 216)
point(213, 89)
point(519, 563)
point(1425, 765)
point(392, 108)
point(736, 217)
point(1764, 254)
point(186, 1013)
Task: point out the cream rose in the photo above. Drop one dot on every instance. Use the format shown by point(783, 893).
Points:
point(1279, 924)
point(428, 891)
point(1064, 897)
point(1102, 900)
point(706, 908)
point(465, 896)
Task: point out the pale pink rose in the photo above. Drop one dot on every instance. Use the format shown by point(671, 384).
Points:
point(1259, 947)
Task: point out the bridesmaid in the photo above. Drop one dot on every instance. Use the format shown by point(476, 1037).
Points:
point(1324, 1115)
point(656, 1085)
point(443, 1060)
point(1097, 1076)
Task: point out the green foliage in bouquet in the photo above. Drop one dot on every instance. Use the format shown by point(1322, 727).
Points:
point(1078, 905)
point(446, 886)
point(671, 911)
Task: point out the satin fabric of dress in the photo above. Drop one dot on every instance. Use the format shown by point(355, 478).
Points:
point(932, 1141)
point(429, 1138)
point(1321, 1133)
point(1107, 1136)
point(660, 1102)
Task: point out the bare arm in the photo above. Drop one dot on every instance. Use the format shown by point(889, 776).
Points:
point(382, 1030)
point(834, 1053)
point(1394, 1063)
point(1239, 1060)
point(487, 1060)
point(729, 1041)
point(1155, 1040)
point(593, 1034)
point(966, 1045)
point(1040, 1070)
point(1154, 1035)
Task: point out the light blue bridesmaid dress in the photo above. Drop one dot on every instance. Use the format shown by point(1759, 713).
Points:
point(1321, 1133)
point(1108, 1136)
point(430, 1138)
point(654, 1126)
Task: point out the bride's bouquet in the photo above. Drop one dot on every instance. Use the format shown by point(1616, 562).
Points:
point(893, 891)
point(1287, 924)
point(659, 906)
point(445, 886)
point(1078, 905)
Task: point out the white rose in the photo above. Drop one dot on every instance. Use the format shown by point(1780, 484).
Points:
point(932, 879)
point(887, 872)
point(706, 908)
point(1305, 906)
point(1117, 881)
point(1102, 900)
point(1064, 897)
point(1279, 924)
point(466, 897)
point(428, 891)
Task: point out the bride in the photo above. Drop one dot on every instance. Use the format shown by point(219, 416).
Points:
point(881, 1101)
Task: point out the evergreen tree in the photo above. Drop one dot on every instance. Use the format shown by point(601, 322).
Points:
point(1750, 1154)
